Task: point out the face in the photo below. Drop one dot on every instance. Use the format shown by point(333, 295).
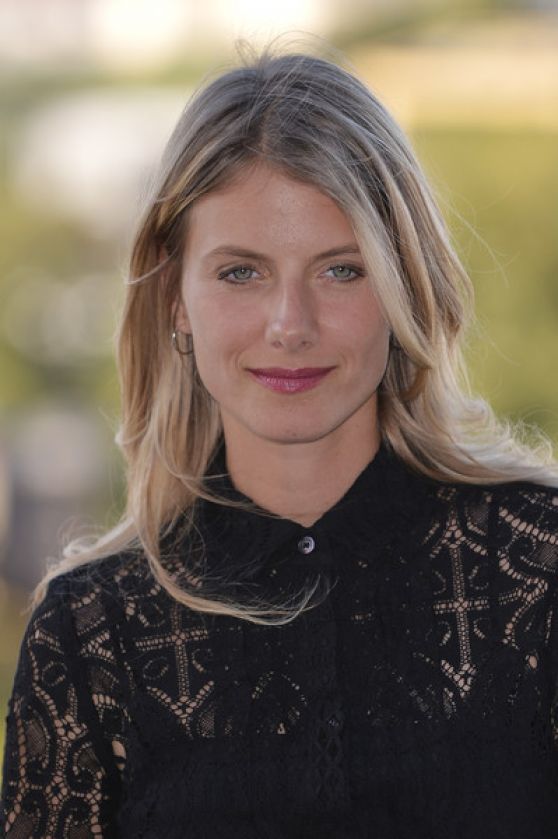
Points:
point(288, 336)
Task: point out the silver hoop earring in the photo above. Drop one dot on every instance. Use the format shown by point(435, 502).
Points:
point(190, 343)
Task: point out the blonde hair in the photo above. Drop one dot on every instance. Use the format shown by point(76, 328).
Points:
point(319, 124)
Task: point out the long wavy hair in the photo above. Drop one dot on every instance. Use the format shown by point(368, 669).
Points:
point(319, 124)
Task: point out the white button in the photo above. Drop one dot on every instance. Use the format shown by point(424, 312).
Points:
point(306, 545)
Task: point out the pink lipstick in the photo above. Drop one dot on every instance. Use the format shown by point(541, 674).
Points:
point(283, 380)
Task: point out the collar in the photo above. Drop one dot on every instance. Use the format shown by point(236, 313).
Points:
point(386, 502)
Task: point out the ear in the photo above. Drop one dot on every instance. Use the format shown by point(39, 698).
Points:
point(180, 317)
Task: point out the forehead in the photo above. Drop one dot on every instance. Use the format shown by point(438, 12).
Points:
point(265, 204)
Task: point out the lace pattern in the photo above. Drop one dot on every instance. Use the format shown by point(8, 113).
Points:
point(419, 698)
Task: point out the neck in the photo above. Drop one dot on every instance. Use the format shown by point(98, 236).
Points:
point(299, 481)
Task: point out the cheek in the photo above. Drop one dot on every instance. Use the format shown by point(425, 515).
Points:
point(220, 332)
point(362, 329)
point(377, 351)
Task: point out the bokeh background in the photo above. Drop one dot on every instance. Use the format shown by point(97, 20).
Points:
point(90, 90)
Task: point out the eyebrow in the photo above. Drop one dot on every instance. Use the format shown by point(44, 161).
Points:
point(233, 250)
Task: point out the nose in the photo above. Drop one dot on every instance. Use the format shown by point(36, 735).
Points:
point(292, 322)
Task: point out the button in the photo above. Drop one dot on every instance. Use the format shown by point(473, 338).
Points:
point(306, 545)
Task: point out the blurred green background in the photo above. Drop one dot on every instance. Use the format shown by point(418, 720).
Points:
point(85, 111)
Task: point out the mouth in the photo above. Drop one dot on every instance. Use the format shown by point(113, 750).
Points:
point(284, 380)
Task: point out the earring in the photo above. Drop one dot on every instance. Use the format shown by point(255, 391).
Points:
point(190, 344)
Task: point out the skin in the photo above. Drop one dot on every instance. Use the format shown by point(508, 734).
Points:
point(293, 454)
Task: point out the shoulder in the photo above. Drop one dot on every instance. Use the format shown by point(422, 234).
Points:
point(527, 523)
point(523, 498)
point(104, 576)
point(90, 598)
point(116, 596)
point(518, 518)
point(123, 574)
point(528, 507)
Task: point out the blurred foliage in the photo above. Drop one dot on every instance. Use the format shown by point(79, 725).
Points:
point(403, 23)
point(498, 189)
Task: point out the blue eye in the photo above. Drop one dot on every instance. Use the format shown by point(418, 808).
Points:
point(348, 268)
point(240, 274)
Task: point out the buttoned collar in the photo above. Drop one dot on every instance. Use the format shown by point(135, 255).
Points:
point(386, 501)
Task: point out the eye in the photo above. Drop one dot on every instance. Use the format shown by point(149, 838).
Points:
point(343, 272)
point(239, 274)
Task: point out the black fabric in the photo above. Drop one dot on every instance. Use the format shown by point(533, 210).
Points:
point(417, 699)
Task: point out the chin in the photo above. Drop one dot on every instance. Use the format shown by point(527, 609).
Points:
point(286, 436)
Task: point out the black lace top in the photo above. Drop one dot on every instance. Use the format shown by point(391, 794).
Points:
point(419, 700)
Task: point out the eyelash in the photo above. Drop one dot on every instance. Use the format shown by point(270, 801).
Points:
point(224, 274)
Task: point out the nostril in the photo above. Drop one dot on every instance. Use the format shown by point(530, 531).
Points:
point(293, 330)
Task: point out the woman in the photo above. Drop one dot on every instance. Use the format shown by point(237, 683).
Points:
point(329, 610)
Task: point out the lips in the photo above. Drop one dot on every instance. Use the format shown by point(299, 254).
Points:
point(284, 380)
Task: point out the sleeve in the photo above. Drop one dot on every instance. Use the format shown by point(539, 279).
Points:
point(59, 778)
point(552, 638)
